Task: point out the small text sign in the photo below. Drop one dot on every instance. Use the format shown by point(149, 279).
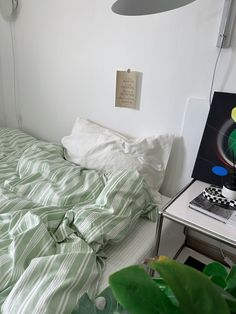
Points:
point(126, 89)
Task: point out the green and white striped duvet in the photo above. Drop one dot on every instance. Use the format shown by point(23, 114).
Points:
point(55, 219)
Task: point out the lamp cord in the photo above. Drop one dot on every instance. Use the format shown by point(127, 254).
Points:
point(16, 104)
point(215, 68)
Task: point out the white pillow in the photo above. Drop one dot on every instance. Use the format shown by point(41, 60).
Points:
point(95, 147)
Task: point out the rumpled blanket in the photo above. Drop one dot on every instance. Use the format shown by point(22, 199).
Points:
point(55, 219)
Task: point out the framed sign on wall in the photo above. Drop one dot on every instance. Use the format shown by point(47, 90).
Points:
point(126, 89)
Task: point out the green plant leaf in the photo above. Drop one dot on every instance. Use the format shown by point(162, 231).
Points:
point(217, 273)
point(231, 281)
point(230, 300)
point(166, 289)
point(87, 306)
point(194, 291)
point(232, 273)
point(218, 281)
point(215, 269)
point(137, 292)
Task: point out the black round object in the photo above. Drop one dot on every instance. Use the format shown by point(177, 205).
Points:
point(230, 183)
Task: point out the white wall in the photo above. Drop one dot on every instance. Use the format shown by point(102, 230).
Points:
point(67, 54)
point(6, 73)
point(2, 109)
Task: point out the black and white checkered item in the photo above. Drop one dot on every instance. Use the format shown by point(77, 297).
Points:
point(213, 194)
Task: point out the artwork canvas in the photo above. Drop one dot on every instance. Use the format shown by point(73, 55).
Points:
point(217, 153)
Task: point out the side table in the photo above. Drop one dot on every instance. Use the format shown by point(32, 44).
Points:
point(178, 210)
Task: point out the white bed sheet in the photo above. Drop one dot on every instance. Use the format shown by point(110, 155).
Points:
point(140, 244)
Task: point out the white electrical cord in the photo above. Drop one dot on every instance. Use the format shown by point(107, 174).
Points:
point(16, 104)
point(214, 71)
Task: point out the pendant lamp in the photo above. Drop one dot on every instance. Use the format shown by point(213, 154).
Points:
point(7, 7)
point(144, 7)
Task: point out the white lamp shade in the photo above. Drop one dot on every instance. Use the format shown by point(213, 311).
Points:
point(143, 7)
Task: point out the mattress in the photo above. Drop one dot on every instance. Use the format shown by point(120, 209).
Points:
point(140, 245)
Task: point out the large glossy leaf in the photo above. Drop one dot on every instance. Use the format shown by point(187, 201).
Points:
point(231, 281)
point(217, 273)
point(194, 291)
point(218, 281)
point(215, 269)
point(230, 300)
point(166, 289)
point(137, 292)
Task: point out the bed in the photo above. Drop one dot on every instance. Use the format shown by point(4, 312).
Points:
point(140, 244)
point(61, 222)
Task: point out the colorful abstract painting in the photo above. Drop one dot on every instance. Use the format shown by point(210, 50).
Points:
point(217, 152)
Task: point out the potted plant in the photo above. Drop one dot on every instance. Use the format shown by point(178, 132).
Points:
point(180, 289)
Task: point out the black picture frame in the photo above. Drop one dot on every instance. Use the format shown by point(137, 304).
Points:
point(216, 156)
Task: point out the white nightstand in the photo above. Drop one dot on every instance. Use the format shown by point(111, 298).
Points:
point(178, 210)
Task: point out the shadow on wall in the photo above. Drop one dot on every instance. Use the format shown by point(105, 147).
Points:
point(185, 147)
point(2, 106)
point(175, 171)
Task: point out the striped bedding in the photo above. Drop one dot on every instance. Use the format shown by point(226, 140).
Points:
point(55, 220)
